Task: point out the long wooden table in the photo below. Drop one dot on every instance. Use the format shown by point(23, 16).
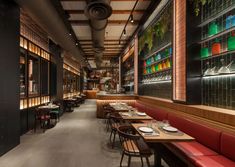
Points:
point(160, 136)
point(128, 116)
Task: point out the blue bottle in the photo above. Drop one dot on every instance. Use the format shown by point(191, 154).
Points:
point(228, 22)
point(170, 51)
point(233, 20)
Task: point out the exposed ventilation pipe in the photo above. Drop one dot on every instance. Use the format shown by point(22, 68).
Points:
point(98, 12)
point(45, 14)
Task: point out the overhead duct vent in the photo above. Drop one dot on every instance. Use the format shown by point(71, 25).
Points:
point(98, 10)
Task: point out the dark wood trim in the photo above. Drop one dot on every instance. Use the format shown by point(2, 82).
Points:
point(113, 12)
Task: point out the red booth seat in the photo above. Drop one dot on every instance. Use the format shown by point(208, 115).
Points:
point(211, 148)
point(155, 113)
point(212, 161)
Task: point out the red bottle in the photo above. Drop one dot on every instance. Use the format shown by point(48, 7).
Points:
point(216, 48)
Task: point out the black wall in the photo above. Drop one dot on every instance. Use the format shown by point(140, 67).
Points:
point(193, 64)
point(9, 74)
point(56, 74)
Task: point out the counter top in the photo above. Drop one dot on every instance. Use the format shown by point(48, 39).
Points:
point(113, 94)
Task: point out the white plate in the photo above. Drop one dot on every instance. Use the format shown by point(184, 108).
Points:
point(141, 113)
point(146, 129)
point(125, 114)
point(170, 129)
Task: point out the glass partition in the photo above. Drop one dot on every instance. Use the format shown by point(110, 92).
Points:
point(33, 75)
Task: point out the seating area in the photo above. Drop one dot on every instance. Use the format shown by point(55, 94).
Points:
point(110, 83)
point(212, 147)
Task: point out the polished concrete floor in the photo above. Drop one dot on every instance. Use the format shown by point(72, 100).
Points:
point(78, 140)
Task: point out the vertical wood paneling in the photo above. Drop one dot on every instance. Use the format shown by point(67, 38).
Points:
point(136, 65)
point(179, 49)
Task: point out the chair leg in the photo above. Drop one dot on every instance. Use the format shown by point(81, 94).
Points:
point(147, 160)
point(142, 163)
point(129, 161)
point(43, 126)
point(110, 137)
point(121, 159)
point(114, 138)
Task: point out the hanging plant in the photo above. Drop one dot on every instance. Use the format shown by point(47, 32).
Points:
point(198, 3)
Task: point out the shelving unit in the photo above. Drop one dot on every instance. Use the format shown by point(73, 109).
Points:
point(217, 51)
point(34, 74)
point(128, 74)
point(155, 55)
point(71, 81)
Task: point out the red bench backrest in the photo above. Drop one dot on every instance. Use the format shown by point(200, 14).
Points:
point(203, 134)
point(227, 145)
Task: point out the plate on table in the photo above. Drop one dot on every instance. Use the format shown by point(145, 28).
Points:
point(146, 129)
point(125, 114)
point(141, 113)
point(170, 129)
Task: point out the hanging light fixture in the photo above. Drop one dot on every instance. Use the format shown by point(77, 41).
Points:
point(132, 18)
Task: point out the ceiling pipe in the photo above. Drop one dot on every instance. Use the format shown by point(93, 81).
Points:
point(98, 12)
point(45, 14)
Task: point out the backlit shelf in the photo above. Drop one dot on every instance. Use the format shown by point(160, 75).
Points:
point(163, 70)
point(219, 55)
point(158, 61)
point(158, 50)
point(224, 32)
point(219, 75)
point(216, 15)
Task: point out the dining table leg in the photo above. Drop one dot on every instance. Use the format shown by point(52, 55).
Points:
point(157, 155)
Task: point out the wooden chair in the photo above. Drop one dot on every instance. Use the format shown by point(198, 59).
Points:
point(107, 110)
point(133, 145)
point(55, 113)
point(43, 117)
point(114, 123)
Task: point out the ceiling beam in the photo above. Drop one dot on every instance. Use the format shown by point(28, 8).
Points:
point(107, 44)
point(108, 40)
point(113, 12)
point(114, 22)
point(111, 0)
point(105, 47)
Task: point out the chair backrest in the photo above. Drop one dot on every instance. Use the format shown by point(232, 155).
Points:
point(128, 139)
point(42, 112)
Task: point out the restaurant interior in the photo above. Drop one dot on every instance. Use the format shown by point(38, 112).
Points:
point(110, 83)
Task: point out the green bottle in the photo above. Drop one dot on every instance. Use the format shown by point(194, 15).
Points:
point(231, 42)
point(204, 52)
point(213, 29)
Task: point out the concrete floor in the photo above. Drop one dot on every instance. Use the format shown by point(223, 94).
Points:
point(78, 140)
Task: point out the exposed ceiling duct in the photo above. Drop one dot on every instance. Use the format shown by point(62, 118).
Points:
point(98, 12)
point(45, 14)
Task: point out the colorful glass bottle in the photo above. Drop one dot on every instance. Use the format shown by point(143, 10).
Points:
point(216, 48)
point(231, 42)
point(160, 66)
point(204, 52)
point(213, 29)
point(156, 67)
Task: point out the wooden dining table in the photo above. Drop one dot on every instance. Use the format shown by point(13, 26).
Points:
point(134, 116)
point(160, 136)
point(120, 107)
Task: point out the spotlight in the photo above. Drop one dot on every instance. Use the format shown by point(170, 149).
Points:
point(131, 18)
point(124, 32)
point(76, 44)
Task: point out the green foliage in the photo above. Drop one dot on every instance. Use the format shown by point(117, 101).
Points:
point(198, 3)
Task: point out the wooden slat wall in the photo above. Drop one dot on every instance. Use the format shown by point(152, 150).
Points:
point(215, 117)
point(179, 51)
